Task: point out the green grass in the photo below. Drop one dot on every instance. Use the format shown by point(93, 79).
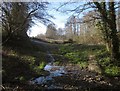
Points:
point(40, 67)
point(108, 66)
point(79, 54)
point(74, 54)
point(112, 70)
point(83, 64)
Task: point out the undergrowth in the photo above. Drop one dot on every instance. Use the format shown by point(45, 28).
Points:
point(22, 61)
point(79, 54)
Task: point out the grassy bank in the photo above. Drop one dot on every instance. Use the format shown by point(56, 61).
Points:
point(22, 60)
point(80, 54)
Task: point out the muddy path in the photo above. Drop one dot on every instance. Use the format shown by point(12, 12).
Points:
point(70, 76)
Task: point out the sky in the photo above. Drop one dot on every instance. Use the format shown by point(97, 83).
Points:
point(60, 19)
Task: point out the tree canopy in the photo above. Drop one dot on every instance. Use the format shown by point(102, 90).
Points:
point(17, 17)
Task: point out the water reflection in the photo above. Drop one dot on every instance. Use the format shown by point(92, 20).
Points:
point(54, 72)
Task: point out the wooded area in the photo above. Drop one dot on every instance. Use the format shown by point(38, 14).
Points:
point(88, 47)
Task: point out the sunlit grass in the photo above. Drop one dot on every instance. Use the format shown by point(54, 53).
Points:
point(42, 65)
point(39, 67)
point(83, 64)
point(112, 70)
point(79, 54)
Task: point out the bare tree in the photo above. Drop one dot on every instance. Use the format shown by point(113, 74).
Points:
point(118, 19)
point(108, 17)
point(107, 11)
point(51, 31)
point(72, 27)
point(17, 17)
point(88, 31)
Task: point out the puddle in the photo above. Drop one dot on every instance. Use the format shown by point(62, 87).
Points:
point(54, 72)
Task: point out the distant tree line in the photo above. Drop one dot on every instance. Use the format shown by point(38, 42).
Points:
point(99, 25)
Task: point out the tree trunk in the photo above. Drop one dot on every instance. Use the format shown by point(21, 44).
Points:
point(115, 47)
point(113, 28)
point(109, 20)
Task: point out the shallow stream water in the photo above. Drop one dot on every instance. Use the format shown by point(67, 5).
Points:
point(54, 72)
point(53, 69)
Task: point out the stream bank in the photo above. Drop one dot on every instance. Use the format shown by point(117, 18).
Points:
point(69, 76)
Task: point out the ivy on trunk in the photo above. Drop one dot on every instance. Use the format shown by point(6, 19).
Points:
point(108, 17)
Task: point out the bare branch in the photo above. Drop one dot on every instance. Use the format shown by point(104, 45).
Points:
point(63, 5)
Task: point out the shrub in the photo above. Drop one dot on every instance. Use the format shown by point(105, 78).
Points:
point(83, 64)
point(40, 67)
point(112, 71)
point(104, 61)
